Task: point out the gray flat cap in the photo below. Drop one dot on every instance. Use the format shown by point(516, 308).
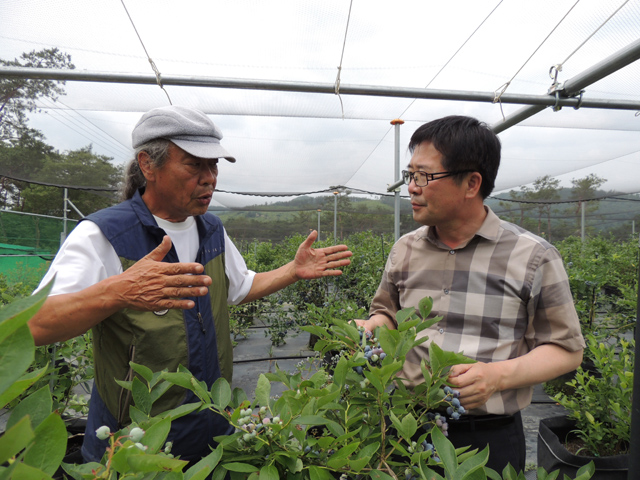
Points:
point(189, 129)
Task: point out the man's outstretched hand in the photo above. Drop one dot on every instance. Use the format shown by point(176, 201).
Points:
point(151, 284)
point(320, 262)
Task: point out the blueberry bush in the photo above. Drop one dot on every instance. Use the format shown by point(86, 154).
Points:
point(352, 420)
point(600, 400)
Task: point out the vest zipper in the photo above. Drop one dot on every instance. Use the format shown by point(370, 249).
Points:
point(125, 395)
point(201, 320)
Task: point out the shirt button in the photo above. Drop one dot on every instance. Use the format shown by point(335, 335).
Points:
point(446, 291)
point(452, 252)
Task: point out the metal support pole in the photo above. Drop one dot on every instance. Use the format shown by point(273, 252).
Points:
point(634, 444)
point(582, 221)
point(308, 87)
point(318, 239)
point(63, 235)
point(572, 87)
point(396, 205)
point(335, 217)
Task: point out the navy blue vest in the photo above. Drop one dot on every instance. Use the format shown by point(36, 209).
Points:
point(198, 339)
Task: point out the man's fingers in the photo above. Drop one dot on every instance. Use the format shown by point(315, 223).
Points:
point(161, 250)
point(310, 239)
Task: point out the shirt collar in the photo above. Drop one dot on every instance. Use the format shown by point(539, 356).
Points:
point(489, 230)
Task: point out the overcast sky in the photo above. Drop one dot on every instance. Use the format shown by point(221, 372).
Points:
point(301, 142)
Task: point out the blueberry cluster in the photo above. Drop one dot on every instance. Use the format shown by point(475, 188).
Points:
point(254, 425)
point(372, 352)
point(454, 410)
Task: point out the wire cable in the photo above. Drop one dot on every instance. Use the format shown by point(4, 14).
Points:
point(500, 90)
point(559, 66)
point(426, 86)
point(151, 62)
point(50, 104)
point(344, 45)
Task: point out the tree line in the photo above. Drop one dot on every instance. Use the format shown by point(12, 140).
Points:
point(29, 166)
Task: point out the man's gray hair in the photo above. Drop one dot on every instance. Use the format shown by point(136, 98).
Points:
point(158, 151)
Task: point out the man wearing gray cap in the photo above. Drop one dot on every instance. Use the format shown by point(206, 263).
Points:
point(153, 277)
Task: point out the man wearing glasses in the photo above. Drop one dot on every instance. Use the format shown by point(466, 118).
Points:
point(503, 292)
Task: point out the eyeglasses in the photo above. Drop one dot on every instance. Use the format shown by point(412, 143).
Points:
point(422, 179)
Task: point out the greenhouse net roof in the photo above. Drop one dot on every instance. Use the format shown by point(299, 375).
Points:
point(292, 142)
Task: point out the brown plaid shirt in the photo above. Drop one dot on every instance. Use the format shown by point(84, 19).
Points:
point(501, 295)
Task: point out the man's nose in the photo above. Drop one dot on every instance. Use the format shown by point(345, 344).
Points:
point(412, 187)
point(208, 174)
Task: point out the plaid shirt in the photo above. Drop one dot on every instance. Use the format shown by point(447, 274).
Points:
point(501, 295)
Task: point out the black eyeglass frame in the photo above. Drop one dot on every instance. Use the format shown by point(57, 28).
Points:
point(407, 176)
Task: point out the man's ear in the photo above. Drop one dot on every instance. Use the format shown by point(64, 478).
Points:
point(144, 161)
point(473, 184)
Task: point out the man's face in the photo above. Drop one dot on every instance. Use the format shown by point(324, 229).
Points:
point(182, 187)
point(436, 204)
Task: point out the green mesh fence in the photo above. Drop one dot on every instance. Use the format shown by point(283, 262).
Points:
point(28, 242)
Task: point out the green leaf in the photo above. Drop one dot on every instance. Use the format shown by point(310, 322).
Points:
point(387, 339)
point(120, 459)
point(445, 451)
point(340, 372)
point(375, 381)
point(290, 462)
point(136, 415)
point(16, 314)
point(15, 439)
point(269, 472)
point(156, 435)
point(21, 385)
point(16, 354)
point(158, 390)
point(38, 406)
point(27, 472)
point(141, 396)
point(143, 371)
point(408, 324)
point(181, 379)
point(398, 426)
point(199, 388)
point(50, 445)
point(240, 467)
point(221, 393)
point(424, 306)
point(155, 463)
point(409, 425)
point(378, 475)
point(180, 411)
point(317, 473)
point(206, 465)
point(586, 471)
point(328, 398)
point(263, 391)
point(405, 314)
point(473, 464)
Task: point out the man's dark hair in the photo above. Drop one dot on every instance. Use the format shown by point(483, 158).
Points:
point(465, 144)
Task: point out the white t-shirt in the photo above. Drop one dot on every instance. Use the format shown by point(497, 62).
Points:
point(86, 258)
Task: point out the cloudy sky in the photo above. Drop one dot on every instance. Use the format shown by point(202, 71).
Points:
point(289, 142)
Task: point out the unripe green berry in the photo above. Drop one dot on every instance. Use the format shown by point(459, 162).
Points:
point(136, 434)
point(103, 432)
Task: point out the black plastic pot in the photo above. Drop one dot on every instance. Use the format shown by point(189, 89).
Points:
point(552, 455)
